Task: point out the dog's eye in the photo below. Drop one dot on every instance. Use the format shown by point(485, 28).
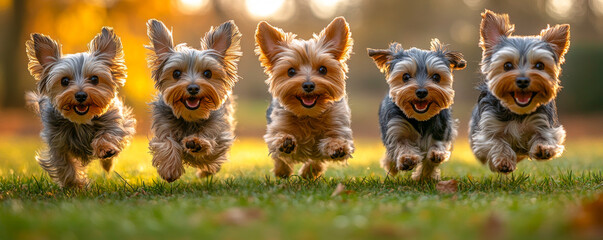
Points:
point(94, 80)
point(539, 66)
point(177, 74)
point(65, 81)
point(436, 78)
point(406, 77)
point(322, 70)
point(291, 72)
point(207, 74)
point(508, 66)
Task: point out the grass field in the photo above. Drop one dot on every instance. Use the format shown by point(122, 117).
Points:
point(244, 201)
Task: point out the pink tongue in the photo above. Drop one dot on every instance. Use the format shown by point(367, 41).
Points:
point(421, 105)
point(523, 97)
point(193, 102)
point(308, 100)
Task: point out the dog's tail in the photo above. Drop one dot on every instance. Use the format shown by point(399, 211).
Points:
point(34, 101)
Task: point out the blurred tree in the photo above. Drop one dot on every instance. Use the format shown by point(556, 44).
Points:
point(12, 96)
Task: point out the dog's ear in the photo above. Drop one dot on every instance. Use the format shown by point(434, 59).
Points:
point(161, 38)
point(226, 39)
point(338, 39)
point(107, 46)
point(268, 40)
point(383, 57)
point(161, 44)
point(42, 52)
point(492, 28)
point(559, 39)
point(455, 59)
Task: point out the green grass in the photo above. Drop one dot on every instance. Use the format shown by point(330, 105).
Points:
point(245, 201)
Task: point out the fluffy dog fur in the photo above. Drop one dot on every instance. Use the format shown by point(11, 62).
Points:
point(77, 100)
point(416, 123)
point(193, 114)
point(308, 118)
point(516, 115)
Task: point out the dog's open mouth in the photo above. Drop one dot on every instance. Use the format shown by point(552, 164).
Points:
point(523, 99)
point(81, 109)
point(308, 101)
point(192, 103)
point(421, 106)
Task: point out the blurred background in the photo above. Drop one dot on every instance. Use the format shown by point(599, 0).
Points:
point(374, 23)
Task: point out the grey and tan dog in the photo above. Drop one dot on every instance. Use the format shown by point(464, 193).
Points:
point(309, 117)
point(77, 100)
point(516, 116)
point(416, 123)
point(193, 114)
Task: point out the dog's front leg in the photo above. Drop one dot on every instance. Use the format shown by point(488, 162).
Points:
point(167, 158)
point(547, 143)
point(438, 153)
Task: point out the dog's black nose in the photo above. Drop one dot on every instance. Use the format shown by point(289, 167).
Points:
point(522, 82)
point(308, 86)
point(81, 96)
point(421, 93)
point(192, 89)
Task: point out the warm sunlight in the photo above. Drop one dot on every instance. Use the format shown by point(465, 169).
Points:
point(597, 6)
point(561, 9)
point(263, 8)
point(326, 8)
point(190, 6)
point(270, 9)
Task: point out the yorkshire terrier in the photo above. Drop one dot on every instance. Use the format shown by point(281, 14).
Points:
point(76, 98)
point(516, 115)
point(193, 113)
point(309, 117)
point(416, 124)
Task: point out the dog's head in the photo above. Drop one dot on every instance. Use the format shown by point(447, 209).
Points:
point(305, 76)
point(420, 81)
point(194, 82)
point(82, 85)
point(522, 71)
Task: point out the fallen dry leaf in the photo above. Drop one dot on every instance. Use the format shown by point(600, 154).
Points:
point(338, 190)
point(493, 228)
point(588, 219)
point(241, 216)
point(450, 186)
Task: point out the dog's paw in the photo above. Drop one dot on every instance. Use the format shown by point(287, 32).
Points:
point(437, 156)
point(503, 165)
point(408, 161)
point(544, 151)
point(288, 144)
point(170, 173)
point(196, 146)
point(104, 149)
point(336, 149)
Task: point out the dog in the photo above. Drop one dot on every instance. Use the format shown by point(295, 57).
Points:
point(77, 100)
point(308, 117)
point(516, 115)
point(415, 119)
point(192, 116)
